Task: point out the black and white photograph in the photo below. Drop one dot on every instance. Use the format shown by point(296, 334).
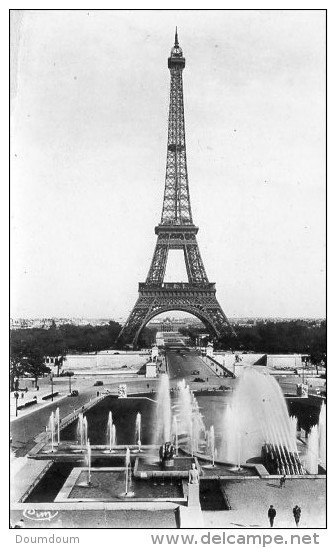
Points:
point(168, 353)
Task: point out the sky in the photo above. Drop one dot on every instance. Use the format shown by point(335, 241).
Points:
point(89, 113)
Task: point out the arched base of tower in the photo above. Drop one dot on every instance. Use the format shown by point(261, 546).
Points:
point(197, 299)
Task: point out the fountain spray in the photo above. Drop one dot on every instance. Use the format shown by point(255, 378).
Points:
point(85, 428)
point(175, 430)
point(80, 430)
point(88, 448)
point(162, 432)
point(322, 435)
point(312, 457)
point(138, 431)
point(257, 420)
point(52, 430)
point(57, 420)
point(212, 444)
point(127, 464)
point(111, 432)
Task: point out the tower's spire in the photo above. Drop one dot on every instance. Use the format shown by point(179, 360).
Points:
point(176, 203)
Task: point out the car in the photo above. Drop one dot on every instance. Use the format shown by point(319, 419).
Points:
point(195, 372)
point(198, 379)
point(98, 383)
point(74, 393)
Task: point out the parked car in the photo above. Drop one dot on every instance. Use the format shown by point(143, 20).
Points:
point(198, 379)
point(98, 383)
point(195, 372)
point(74, 393)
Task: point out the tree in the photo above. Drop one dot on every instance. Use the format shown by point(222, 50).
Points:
point(59, 363)
point(15, 371)
point(34, 364)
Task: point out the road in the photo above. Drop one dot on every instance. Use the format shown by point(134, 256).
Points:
point(182, 364)
point(24, 429)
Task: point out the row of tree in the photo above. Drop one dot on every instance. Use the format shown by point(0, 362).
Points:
point(297, 336)
point(29, 347)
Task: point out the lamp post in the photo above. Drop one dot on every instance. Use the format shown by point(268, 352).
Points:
point(16, 396)
point(52, 386)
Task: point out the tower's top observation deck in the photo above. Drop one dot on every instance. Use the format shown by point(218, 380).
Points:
point(176, 59)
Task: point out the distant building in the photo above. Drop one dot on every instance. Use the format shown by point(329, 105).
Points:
point(210, 350)
point(170, 337)
point(54, 363)
point(237, 360)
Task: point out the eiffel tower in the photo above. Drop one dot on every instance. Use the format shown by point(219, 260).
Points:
point(176, 231)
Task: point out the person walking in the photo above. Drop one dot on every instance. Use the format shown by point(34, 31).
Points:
point(282, 481)
point(297, 514)
point(271, 515)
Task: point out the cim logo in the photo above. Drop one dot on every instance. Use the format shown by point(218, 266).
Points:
point(40, 515)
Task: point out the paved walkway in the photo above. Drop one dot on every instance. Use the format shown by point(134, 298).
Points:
point(250, 501)
point(129, 516)
point(26, 476)
point(61, 385)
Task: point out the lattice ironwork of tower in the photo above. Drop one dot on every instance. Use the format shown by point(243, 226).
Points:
point(176, 231)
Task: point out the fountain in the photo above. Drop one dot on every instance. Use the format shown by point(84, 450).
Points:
point(232, 427)
point(88, 447)
point(257, 423)
point(212, 444)
point(80, 430)
point(85, 428)
point(294, 424)
point(184, 413)
point(128, 473)
point(51, 428)
point(162, 428)
point(197, 424)
point(175, 433)
point(188, 415)
point(110, 434)
point(57, 421)
point(211, 447)
point(312, 456)
point(138, 431)
point(322, 428)
point(87, 483)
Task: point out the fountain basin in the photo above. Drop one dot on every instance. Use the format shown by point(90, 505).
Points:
point(168, 463)
point(108, 484)
point(146, 469)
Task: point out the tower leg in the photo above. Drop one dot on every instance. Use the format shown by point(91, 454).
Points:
point(204, 307)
